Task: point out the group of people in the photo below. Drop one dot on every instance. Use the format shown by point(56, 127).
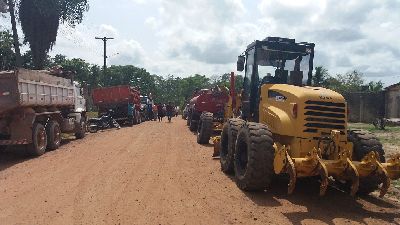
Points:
point(159, 111)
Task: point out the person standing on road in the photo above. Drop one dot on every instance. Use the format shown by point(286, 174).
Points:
point(170, 111)
point(155, 112)
point(160, 112)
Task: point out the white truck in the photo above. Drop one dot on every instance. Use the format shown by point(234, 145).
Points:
point(36, 107)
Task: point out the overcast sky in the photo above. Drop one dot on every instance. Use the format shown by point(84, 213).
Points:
point(184, 37)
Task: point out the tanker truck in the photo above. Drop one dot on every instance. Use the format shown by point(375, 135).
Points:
point(36, 107)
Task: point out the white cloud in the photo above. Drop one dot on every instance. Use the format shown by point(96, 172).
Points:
point(348, 34)
point(128, 52)
point(106, 30)
point(152, 22)
point(205, 36)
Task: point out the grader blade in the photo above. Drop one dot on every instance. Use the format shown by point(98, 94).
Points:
point(283, 163)
point(340, 169)
point(392, 167)
point(354, 176)
point(291, 170)
point(323, 172)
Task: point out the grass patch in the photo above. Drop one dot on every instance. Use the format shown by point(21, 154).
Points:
point(391, 135)
point(92, 114)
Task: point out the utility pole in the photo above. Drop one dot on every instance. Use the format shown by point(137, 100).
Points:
point(105, 39)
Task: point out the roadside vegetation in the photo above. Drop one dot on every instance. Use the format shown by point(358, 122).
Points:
point(390, 136)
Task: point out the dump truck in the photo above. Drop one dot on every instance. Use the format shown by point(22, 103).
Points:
point(288, 128)
point(123, 101)
point(206, 112)
point(36, 107)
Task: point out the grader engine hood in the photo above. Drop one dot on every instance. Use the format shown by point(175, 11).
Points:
point(304, 112)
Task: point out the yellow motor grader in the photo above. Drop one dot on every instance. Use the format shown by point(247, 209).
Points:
point(289, 128)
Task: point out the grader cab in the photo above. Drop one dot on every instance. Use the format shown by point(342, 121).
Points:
point(290, 128)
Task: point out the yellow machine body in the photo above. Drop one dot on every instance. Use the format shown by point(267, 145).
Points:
point(309, 127)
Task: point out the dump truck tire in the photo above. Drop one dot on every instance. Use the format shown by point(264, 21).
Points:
point(82, 131)
point(364, 142)
point(254, 157)
point(228, 140)
point(39, 140)
point(53, 132)
point(205, 128)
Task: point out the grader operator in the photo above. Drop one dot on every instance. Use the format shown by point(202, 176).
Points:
point(290, 128)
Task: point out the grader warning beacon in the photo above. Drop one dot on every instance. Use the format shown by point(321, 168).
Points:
point(290, 128)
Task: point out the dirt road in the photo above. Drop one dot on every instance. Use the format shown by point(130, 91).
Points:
point(156, 173)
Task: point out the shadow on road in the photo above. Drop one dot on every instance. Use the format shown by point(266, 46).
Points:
point(14, 155)
point(336, 204)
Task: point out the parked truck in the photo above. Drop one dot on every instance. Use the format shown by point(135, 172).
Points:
point(123, 101)
point(206, 112)
point(36, 107)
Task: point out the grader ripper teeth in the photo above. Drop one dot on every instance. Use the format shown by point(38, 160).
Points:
point(341, 169)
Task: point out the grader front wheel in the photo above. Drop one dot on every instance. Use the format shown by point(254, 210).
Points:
point(254, 157)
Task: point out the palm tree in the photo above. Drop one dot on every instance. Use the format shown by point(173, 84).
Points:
point(40, 20)
point(18, 61)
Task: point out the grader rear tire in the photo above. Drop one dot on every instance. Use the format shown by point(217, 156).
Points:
point(364, 143)
point(205, 128)
point(228, 140)
point(254, 157)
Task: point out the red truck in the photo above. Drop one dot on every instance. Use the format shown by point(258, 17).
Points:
point(123, 100)
point(207, 101)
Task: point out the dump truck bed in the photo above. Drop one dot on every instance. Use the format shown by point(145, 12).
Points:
point(29, 88)
point(109, 96)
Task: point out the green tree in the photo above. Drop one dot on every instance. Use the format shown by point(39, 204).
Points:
point(320, 75)
point(7, 53)
point(59, 59)
point(351, 82)
point(81, 69)
point(40, 20)
point(375, 86)
point(27, 61)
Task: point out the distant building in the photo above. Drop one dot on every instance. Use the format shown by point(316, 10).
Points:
point(365, 107)
point(392, 100)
